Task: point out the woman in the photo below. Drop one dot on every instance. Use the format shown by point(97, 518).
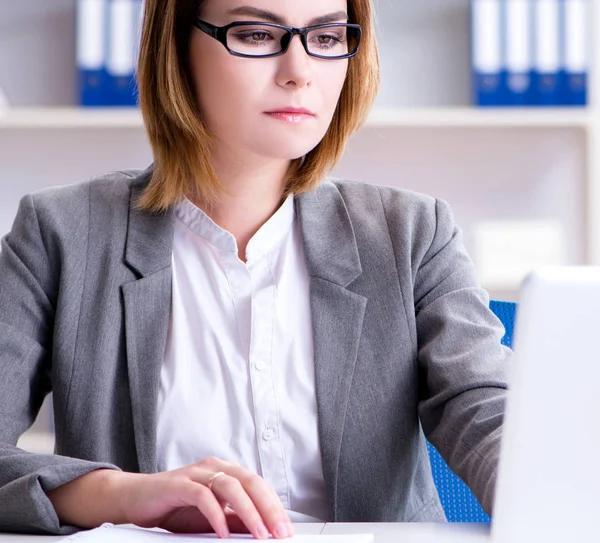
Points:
point(230, 338)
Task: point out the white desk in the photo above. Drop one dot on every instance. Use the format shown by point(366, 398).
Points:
point(384, 532)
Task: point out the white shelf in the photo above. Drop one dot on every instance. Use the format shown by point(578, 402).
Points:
point(73, 117)
point(482, 117)
point(97, 118)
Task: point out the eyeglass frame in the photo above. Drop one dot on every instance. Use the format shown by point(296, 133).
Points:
point(219, 33)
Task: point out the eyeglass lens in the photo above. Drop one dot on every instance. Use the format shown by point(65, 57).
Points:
point(262, 40)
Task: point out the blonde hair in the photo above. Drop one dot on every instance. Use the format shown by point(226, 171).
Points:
point(180, 140)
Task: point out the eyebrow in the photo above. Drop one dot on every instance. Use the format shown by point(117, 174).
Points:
point(277, 19)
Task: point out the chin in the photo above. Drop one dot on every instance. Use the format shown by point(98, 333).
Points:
point(291, 151)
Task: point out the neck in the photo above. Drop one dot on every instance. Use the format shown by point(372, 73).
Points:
point(253, 193)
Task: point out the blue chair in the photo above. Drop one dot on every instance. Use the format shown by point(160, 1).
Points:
point(459, 504)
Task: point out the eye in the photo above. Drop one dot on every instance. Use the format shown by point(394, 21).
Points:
point(259, 36)
point(254, 36)
point(328, 41)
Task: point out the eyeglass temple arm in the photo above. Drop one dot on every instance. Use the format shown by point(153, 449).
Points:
point(211, 30)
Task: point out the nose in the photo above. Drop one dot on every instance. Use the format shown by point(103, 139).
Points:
point(295, 65)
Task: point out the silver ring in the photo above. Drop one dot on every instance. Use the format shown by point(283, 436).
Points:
point(213, 478)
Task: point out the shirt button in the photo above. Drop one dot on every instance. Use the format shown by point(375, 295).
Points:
point(260, 365)
point(268, 434)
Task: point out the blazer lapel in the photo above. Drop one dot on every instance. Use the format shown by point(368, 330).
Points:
point(337, 313)
point(147, 305)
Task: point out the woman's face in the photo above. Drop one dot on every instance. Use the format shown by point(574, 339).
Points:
point(235, 95)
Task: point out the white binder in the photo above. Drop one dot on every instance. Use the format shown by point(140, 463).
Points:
point(138, 23)
point(576, 53)
point(519, 62)
point(122, 46)
point(547, 50)
point(91, 19)
point(486, 28)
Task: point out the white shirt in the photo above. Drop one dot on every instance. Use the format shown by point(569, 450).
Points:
point(238, 375)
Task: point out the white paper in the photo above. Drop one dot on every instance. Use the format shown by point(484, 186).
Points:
point(131, 534)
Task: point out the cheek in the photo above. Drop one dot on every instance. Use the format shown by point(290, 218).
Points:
point(220, 81)
point(229, 90)
point(331, 82)
point(330, 76)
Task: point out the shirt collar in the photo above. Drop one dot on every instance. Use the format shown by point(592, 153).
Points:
point(273, 232)
point(266, 240)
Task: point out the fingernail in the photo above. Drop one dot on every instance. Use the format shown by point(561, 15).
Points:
point(290, 529)
point(262, 531)
point(281, 530)
point(224, 533)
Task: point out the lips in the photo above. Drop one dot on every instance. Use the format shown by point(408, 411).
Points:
point(292, 111)
point(291, 118)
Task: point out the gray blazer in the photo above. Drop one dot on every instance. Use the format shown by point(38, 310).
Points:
point(404, 343)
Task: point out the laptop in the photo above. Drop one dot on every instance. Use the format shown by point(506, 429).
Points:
point(548, 485)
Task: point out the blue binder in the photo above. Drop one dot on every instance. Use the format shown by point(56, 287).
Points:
point(575, 61)
point(518, 52)
point(486, 51)
point(91, 18)
point(547, 52)
point(123, 19)
point(138, 24)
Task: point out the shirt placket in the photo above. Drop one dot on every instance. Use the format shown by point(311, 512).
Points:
point(270, 447)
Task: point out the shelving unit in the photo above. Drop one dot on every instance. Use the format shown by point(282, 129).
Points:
point(489, 164)
point(79, 118)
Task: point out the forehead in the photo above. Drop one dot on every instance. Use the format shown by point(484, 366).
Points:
point(291, 12)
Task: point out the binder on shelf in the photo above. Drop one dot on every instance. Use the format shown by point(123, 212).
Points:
point(139, 22)
point(123, 20)
point(91, 18)
point(518, 32)
point(576, 54)
point(486, 51)
point(547, 75)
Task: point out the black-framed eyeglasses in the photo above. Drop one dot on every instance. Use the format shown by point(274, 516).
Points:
point(253, 39)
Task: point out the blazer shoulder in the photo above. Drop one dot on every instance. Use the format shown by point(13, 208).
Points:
point(400, 208)
point(110, 186)
point(66, 205)
point(416, 222)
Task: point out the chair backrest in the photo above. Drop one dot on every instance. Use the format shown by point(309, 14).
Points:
point(459, 504)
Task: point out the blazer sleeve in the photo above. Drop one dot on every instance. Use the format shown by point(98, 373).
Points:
point(29, 283)
point(463, 367)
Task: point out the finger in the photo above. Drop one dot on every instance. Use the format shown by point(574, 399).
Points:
point(198, 495)
point(265, 500)
point(235, 523)
point(230, 489)
point(262, 495)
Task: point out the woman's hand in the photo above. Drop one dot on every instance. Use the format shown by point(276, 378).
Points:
point(180, 501)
